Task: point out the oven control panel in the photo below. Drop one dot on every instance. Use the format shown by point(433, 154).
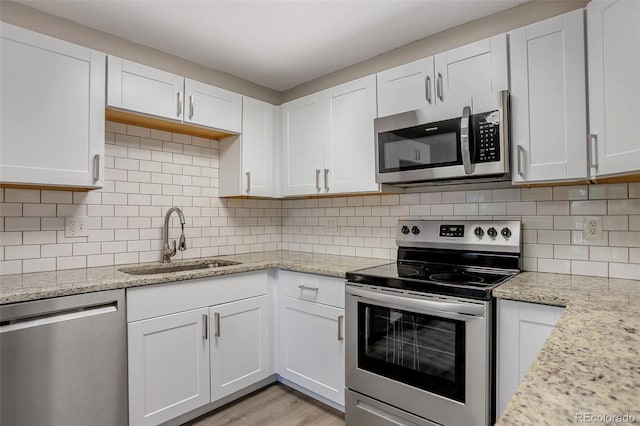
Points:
point(479, 235)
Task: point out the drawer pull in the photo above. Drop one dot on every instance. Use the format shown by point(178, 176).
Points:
point(304, 287)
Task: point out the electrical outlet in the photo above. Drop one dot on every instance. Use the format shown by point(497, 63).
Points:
point(592, 228)
point(77, 226)
point(332, 225)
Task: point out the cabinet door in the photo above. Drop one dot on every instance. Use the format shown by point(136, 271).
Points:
point(211, 106)
point(523, 328)
point(406, 88)
point(240, 345)
point(139, 88)
point(168, 366)
point(312, 346)
point(257, 147)
point(304, 132)
point(548, 99)
point(350, 149)
point(52, 111)
point(470, 76)
point(614, 86)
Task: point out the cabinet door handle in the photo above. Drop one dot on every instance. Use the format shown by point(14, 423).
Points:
point(340, 327)
point(427, 83)
point(318, 180)
point(205, 326)
point(191, 102)
point(439, 88)
point(216, 317)
point(520, 160)
point(326, 180)
point(593, 150)
point(96, 167)
point(179, 104)
point(248, 182)
point(303, 287)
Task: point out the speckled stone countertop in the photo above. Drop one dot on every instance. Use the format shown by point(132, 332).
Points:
point(43, 285)
point(591, 362)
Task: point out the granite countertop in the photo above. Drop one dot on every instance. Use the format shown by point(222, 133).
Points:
point(591, 362)
point(43, 285)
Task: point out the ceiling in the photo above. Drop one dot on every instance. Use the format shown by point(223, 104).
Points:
point(277, 44)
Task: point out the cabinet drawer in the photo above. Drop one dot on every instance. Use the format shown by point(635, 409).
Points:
point(316, 288)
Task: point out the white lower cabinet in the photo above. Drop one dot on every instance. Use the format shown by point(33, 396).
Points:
point(168, 367)
point(240, 345)
point(523, 328)
point(184, 360)
point(311, 333)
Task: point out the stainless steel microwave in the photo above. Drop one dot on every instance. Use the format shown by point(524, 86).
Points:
point(411, 149)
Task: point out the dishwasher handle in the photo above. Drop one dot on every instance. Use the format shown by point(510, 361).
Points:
point(45, 318)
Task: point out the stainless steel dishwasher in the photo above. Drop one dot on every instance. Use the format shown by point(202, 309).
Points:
point(63, 361)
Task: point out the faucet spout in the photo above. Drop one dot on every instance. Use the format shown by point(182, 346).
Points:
point(167, 251)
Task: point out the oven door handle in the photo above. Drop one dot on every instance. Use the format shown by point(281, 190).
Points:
point(464, 140)
point(449, 307)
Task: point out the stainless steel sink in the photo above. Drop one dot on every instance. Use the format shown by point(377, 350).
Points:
point(167, 268)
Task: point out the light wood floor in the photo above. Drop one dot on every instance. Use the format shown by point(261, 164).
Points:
point(275, 405)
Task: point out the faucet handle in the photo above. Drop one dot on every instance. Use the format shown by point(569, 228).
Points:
point(182, 245)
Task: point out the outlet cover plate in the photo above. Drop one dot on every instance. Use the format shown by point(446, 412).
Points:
point(77, 226)
point(592, 228)
point(332, 225)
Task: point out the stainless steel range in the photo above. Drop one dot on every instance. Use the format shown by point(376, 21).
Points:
point(419, 336)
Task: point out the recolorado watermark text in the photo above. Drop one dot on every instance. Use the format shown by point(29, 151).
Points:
point(605, 418)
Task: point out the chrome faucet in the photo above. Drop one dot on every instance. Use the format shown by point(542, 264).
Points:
point(168, 252)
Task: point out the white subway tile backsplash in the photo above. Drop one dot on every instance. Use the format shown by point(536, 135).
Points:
point(608, 191)
point(629, 271)
point(554, 266)
point(596, 269)
point(148, 171)
point(580, 192)
point(12, 195)
point(588, 207)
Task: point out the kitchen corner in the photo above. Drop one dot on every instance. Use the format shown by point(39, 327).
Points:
point(590, 365)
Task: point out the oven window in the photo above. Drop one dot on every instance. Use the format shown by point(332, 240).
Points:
point(420, 147)
point(420, 350)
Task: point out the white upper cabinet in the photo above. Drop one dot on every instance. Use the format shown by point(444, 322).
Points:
point(304, 132)
point(328, 140)
point(470, 76)
point(406, 88)
point(143, 89)
point(447, 82)
point(349, 150)
point(548, 100)
point(257, 147)
point(247, 165)
point(212, 107)
point(613, 41)
point(52, 111)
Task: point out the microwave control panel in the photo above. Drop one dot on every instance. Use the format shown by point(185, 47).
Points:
point(486, 128)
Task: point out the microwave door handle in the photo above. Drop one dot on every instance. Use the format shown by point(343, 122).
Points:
point(464, 140)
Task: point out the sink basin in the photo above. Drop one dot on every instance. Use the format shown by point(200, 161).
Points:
point(167, 268)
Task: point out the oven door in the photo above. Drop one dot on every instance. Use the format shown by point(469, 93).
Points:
point(427, 355)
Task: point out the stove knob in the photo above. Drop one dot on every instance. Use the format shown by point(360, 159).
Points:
point(506, 232)
point(415, 230)
point(405, 230)
point(479, 232)
point(492, 232)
